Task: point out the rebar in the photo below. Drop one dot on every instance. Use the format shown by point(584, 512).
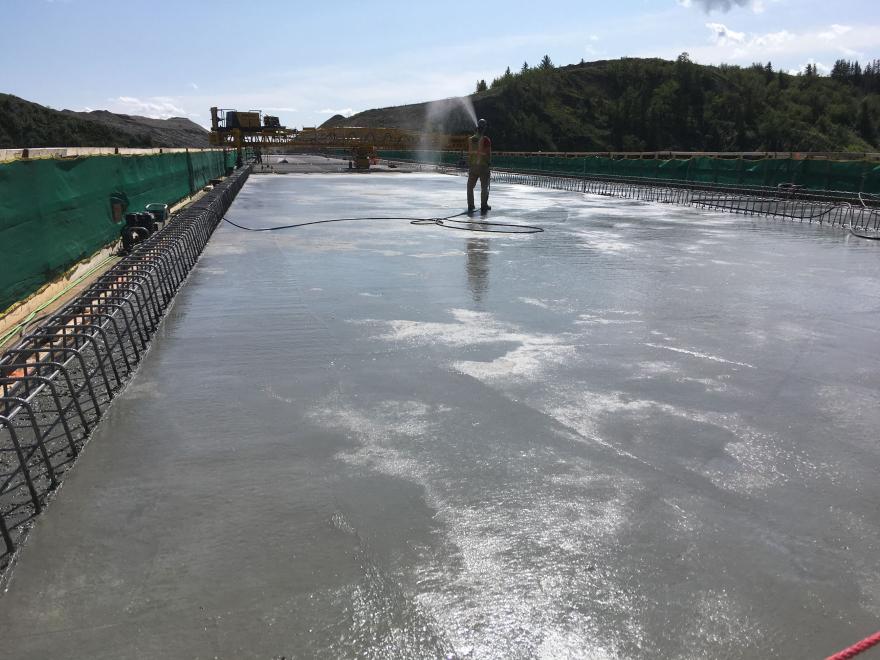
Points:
point(833, 208)
point(56, 382)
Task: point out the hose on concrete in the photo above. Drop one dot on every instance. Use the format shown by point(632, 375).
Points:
point(875, 237)
point(857, 648)
point(447, 222)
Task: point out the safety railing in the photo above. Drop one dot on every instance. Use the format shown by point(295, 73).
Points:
point(57, 381)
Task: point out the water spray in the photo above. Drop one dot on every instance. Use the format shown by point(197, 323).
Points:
point(440, 116)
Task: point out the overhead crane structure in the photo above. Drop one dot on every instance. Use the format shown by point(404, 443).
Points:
point(252, 129)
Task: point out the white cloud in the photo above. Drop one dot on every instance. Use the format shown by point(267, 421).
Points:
point(722, 35)
point(193, 85)
point(772, 40)
point(396, 78)
point(734, 47)
point(835, 31)
point(823, 69)
point(344, 88)
point(345, 112)
point(849, 52)
point(788, 49)
point(591, 48)
point(156, 107)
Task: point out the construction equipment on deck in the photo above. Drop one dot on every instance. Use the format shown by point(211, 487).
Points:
point(241, 130)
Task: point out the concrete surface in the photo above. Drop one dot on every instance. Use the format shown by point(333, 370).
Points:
point(650, 432)
point(313, 163)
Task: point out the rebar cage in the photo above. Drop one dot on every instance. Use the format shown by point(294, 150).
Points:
point(854, 211)
point(58, 380)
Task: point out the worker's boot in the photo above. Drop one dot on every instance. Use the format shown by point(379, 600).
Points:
point(485, 209)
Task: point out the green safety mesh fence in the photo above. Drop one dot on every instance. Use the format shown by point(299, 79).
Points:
point(54, 213)
point(847, 176)
point(436, 157)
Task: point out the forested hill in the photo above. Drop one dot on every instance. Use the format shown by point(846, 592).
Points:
point(652, 104)
point(27, 124)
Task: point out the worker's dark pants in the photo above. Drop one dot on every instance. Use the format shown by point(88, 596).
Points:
point(481, 173)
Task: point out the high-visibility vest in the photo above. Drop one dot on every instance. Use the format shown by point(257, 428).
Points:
point(479, 150)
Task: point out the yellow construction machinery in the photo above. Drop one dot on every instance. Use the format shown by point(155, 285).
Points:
point(240, 130)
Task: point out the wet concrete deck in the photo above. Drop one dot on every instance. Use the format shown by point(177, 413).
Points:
point(648, 432)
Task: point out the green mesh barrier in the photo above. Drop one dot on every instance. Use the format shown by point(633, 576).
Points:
point(846, 176)
point(54, 213)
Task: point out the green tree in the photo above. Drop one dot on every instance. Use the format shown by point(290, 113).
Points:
point(546, 64)
point(481, 86)
point(653, 104)
point(840, 70)
point(865, 123)
point(781, 79)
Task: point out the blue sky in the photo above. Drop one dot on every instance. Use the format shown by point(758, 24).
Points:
point(307, 61)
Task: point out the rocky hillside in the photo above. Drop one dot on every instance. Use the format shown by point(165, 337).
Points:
point(26, 124)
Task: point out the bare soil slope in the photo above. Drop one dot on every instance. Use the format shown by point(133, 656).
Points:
point(26, 124)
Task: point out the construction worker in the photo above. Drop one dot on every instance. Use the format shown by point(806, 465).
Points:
point(479, 157)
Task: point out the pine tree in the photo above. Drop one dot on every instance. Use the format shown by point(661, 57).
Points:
point(546, 64)
point(481, 86)
point(871, 77)
point(781, 79)
point(525, 67)
point(840, 70)
point(866, 123)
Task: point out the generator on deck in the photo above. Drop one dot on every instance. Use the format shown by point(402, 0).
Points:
point(253, 121)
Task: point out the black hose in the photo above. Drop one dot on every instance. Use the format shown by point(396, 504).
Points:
point(440, 222)
point(865, 236)
point(717, 204)
point(852, 231)
point(515, 228)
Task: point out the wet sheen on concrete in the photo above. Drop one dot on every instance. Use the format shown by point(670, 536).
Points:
point(648, 432)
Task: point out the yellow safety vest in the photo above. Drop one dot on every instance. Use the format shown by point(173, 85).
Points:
point(478, 150)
